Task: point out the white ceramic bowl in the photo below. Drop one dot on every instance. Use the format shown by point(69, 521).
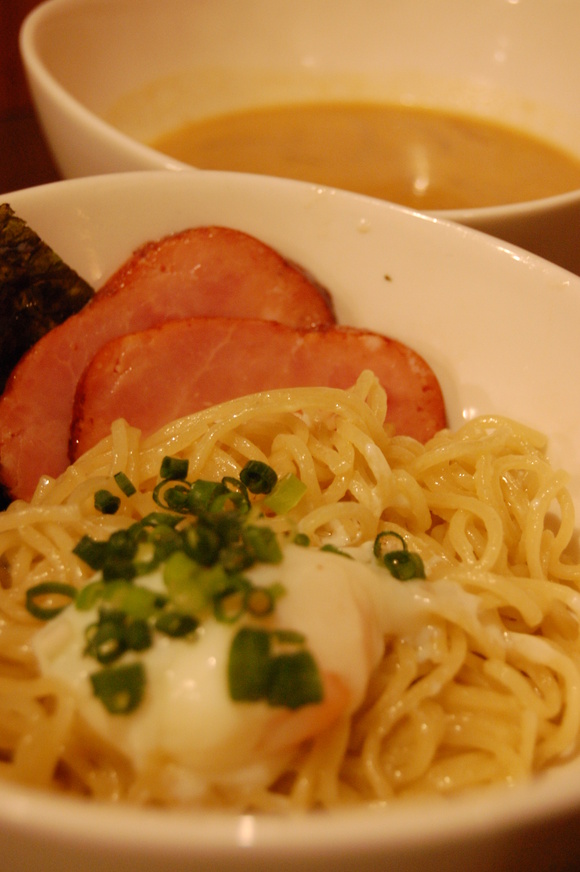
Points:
point(500, 328)
point(108, 75)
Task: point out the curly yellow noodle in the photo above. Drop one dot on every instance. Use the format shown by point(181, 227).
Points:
point(486, 689)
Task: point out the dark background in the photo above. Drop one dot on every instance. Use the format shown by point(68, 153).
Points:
point(24, 158)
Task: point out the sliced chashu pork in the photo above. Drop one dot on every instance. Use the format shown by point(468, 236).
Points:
point(204, 271)
point(158, 375)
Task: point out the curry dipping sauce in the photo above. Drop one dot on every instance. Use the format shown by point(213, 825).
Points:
point(419, 157)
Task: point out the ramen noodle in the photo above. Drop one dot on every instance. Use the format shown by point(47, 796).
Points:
point(474, 679)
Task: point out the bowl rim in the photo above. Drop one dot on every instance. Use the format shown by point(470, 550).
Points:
point(491, 811)
point(39, 76)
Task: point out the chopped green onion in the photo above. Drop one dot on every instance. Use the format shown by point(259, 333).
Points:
point(156, 519)
point(113, 557)
point(120, 688)
point(124, 542)
point(171, 496)
point(258, 477)
point(203, 493)
point(89, 595)
point(165, 540)
point(106, 640)
point(404, 565)
point(286, 495)
point(294, 680)
point(302, 540)
point(125, 484)
point(262, 543)
point(248, 665)
point(129, 599)
point(138, 635)
point(192, 588)
point(236, 557)
point(334, 550)
point(401, 563)
point(227, 524)
point(202, 543)
point(91, 551)
point(230, 604)
point(105, 502)
point(175, 624)
point(47, 590)
point(178, 568)
point(380, 539)
point(118, 566)
point(174, 468)
point(290, 679)
point(260, 601)
point(114, 633)
point(233, 497)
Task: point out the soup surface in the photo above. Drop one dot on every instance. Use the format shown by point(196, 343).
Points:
point(419, 157)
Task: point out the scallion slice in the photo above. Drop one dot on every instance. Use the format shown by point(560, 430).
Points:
point(289, 679)
point(89, 595)
point(175, 624)
point(380, 547)
point(174, 468)
point(106, 640)
point(138, 635)
point(91, 551)
point(262, 543)
point(294, 680)
point(174, 497)
point(287, 493)
point(129, 599)
point(233, 498)
point(403, 564)
point(260, 601)
point(51, 592)
point(248, 665)
point(258, 477)
point(334, 550)
point(125, 484)
point(106, 502)
point(203, 493)
point(202, 543)
point(229, 605)
point(120, 688)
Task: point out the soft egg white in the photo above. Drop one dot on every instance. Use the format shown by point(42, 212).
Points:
point(344, 607)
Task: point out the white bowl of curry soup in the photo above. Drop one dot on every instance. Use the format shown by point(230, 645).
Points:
point(465, 111)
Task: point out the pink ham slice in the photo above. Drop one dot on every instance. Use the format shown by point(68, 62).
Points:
point(156, 376)
point(204, 271)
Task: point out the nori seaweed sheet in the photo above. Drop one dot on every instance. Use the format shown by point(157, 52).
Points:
point(38, 290)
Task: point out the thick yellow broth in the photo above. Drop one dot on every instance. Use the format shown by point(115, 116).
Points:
point(419, 157)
